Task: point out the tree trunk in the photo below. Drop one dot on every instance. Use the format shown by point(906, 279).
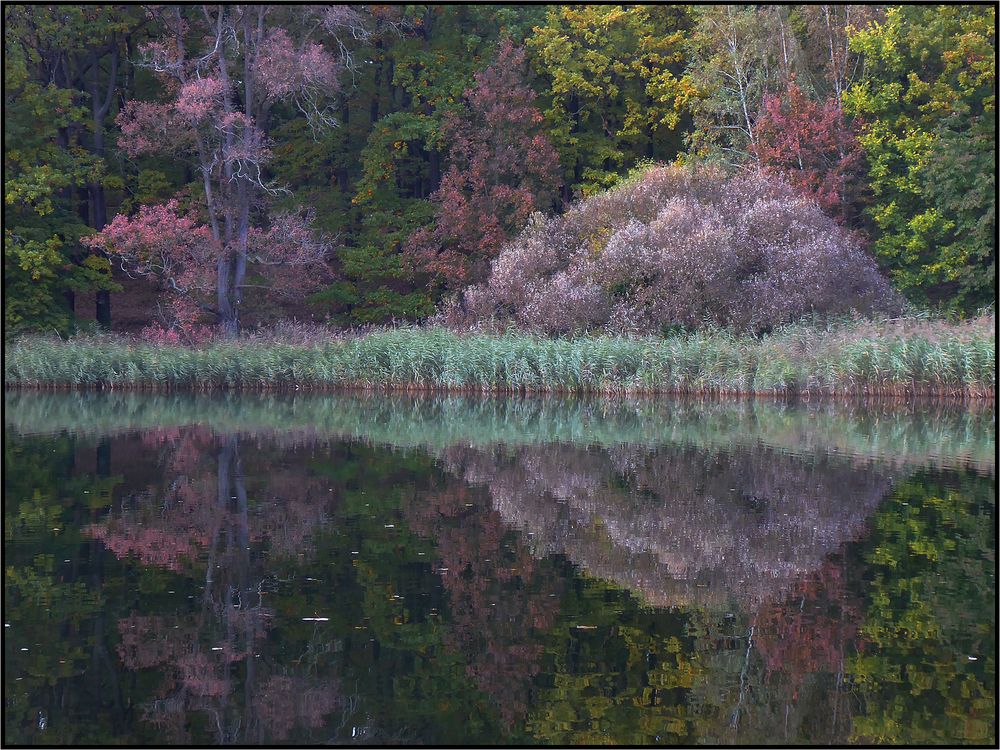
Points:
point(226, 262)
point(373, 111)
point(99, 107)
point(99, 216)
point(227, 316)
point(240, 261)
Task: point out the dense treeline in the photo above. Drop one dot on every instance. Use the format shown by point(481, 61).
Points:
point(360, 164)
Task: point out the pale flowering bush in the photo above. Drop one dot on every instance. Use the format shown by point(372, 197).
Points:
point(677, 247)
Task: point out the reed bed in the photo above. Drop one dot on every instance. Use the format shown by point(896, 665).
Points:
point(895, 359)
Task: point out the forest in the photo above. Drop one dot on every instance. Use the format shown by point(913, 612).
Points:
point(188, 174)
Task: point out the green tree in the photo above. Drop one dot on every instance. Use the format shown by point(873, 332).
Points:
point(734, 63)
point(50, 159)
point(927, 106)
point(612, 79)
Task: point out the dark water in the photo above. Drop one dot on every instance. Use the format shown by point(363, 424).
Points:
point(391, 570)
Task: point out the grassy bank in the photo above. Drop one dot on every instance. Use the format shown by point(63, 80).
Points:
point(896, 358)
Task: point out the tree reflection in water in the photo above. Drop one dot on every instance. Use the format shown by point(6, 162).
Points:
point(680, 526)
point(747, 543)
point(734, 592)
point(214, 660)
point(501, 596)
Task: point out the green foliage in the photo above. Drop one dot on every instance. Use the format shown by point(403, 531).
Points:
point(927, 105)
point(613, 83)
point(44, 164)
point(380, 277)
point(41, 231)
point(151, 186)
point(730, 71)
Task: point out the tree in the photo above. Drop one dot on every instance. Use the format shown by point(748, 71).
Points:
point(927, 104)
point(420, 60)
point(740, 56)
point(732, 65)
point(49, 56)
point(810, 145)
point(613, 88)
point(501, 169)
point(223, 69)
point(829, 63)
point(82, 53)
point(161, 242)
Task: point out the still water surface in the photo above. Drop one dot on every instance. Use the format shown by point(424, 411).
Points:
point(336, 569)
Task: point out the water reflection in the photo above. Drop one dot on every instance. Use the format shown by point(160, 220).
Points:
point(680, 526)
point(939, 434)
point(500, 596)
point(746, 575)
point(213, 658)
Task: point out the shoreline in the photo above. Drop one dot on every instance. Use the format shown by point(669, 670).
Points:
point(293, 387)
point(938, 361)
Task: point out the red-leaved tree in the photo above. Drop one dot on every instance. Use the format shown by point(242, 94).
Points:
point(810, 144)
point(501, 169)
point(222, 69)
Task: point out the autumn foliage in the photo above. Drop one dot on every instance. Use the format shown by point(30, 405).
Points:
point(811, 146)
point(181, 253)
point(501, 169)
point(678, 247)
point(423, 137)
point(216, 122)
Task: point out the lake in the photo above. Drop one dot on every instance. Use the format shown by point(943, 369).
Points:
point(213, 569)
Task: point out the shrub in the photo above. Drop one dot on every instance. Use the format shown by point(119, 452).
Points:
point(678, 247)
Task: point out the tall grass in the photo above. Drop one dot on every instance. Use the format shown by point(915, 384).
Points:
point(892, 359)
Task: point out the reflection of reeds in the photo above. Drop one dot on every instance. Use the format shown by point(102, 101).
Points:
point(927, 433)
point(900, 358)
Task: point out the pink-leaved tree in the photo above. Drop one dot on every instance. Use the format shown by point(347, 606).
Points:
point(223, 68)
point(811, 145)
point(501, 169)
